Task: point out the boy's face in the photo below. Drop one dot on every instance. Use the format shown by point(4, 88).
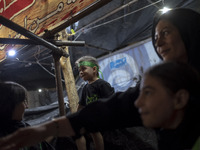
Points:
point(155, 104)
point(87, 73)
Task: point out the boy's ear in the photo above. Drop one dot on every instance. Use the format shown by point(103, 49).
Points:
point(95, 68)
point(182, 97)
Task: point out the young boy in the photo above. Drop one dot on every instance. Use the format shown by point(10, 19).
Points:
point(95, 88)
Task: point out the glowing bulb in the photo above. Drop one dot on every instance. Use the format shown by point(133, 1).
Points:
point(164, 10)
point(40, 90)
point(12, 52)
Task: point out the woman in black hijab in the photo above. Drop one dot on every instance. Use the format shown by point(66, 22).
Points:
point(175, 37)
point(187, 23)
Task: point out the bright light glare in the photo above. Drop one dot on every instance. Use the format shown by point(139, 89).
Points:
point(39, 90)
point(164, 10)
point(12, 52)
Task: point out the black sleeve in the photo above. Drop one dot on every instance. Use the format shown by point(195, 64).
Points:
point(117, 111)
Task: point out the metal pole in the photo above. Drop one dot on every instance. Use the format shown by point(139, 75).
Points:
point(32, 42)
point(59, 84)
point(8, 23)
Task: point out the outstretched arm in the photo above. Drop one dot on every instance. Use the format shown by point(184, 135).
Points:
point(117, 111)
point(32, 135)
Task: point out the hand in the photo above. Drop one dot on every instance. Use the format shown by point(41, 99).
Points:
point(23, 137)
point(31, 135)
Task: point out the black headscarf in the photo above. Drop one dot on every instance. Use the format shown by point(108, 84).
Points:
point(187, 22)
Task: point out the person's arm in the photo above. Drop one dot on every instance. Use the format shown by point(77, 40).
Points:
point(82, 101)
point(83, 96)
point(117, 111)
point(32, 135)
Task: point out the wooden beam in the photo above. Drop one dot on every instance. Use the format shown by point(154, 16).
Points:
point(69, 77)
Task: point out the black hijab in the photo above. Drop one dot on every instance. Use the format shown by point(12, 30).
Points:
point(187, 22)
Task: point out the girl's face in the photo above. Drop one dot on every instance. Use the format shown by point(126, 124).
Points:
point(87, 73)
point(155, 104)
point(19, 110)
point(169, 43)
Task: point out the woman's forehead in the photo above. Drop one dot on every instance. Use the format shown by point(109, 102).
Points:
point(164, 24)
point(147, 80)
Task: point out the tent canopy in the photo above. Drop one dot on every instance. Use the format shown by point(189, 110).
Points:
point(116, 25)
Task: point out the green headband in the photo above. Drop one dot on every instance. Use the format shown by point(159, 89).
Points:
point(90, 64)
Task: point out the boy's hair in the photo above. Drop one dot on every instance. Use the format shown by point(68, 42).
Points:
point(88, 59)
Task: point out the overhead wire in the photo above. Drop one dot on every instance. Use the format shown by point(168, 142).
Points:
point(48, 70)
point(90, 28)
point(154, 4)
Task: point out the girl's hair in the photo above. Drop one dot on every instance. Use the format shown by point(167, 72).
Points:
point(88, 59)
point(11, 94)
point(175, 76)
